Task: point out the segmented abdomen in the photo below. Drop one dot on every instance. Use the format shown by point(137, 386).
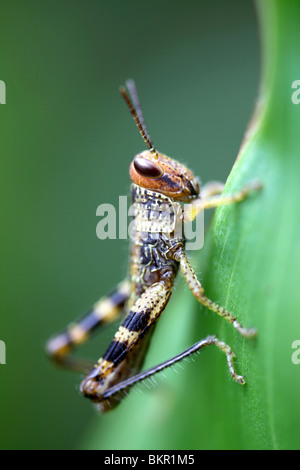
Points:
point(152, 236)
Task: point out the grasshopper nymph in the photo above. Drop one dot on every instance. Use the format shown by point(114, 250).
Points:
point(159, 184)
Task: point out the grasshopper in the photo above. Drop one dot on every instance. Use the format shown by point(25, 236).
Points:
point(159, 185)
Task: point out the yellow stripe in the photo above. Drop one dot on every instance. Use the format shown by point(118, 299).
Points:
point(123, 335)
point(106, 310)
point(58, 346)
point(104, 366)
point(77, 334)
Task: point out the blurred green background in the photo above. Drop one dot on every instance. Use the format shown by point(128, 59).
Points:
point(66, 143)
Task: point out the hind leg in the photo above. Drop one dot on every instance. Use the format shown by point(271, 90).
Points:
point(106, 310)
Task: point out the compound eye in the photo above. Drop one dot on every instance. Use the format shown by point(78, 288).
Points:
point(147, 168)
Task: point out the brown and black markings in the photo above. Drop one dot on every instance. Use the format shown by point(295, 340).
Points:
point(159, 187)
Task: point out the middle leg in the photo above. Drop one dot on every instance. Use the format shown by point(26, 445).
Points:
point(198, 292)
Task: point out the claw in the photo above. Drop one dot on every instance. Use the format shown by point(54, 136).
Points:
point(240, 379)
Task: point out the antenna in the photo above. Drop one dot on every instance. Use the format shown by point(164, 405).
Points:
point(134, 105)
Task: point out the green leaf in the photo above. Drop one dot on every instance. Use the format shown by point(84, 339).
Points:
point(250, 265)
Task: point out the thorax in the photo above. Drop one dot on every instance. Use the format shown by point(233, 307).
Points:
point(155, 231)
